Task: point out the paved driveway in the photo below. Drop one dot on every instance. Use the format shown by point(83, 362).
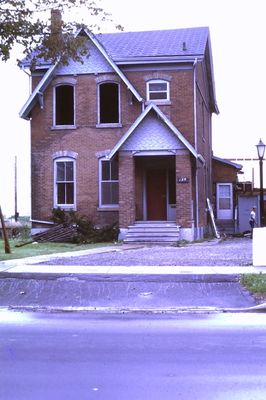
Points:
point(229, 252)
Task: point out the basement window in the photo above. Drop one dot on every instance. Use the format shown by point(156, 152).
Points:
point(64, 106)
point(108, 95)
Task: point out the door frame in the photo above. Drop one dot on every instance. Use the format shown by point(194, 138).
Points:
point(224, 213)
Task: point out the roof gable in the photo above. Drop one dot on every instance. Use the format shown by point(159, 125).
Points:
point(171, 140)
point(152, 134)
point(122, 48)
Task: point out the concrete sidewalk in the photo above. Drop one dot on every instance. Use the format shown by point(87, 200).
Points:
point(76, 262)
point(58, 282)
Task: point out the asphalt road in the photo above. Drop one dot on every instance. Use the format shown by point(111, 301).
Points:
point(122, 292)
point(76, 356)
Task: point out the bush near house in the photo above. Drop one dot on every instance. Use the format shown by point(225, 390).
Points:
point(85, 229)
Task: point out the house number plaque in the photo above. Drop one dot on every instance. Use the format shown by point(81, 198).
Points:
point(182, 179)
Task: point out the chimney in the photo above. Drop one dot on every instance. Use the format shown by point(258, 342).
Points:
point(184, 46)
point(56, 22)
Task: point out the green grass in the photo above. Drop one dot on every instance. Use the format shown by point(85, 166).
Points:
point(31, 250)
point(255, 283)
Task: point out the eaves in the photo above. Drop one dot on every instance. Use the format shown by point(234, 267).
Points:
point(158, 60)
point(37, 94)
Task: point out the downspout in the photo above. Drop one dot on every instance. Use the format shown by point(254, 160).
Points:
point(196, 148)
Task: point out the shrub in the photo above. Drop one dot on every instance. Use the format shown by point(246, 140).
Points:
point(86, 231)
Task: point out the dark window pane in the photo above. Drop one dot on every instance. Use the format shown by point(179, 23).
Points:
point(60, 167)
point(115, 193)
point(69, 193)
point(69, 171)
point(64, 105)
point(158, 87)
point(158, 96)
point(109, 193)
point(60, 193)
point(114, 170)
point(105, 170)
point(224, 204)
point(109, 99)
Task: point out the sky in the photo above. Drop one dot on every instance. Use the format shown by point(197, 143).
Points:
point(238, 32)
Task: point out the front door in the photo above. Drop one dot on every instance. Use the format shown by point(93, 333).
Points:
point(224, 196)
point(156, 194)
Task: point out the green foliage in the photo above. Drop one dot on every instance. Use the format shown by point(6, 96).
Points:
point(25, 22)
point(86, 231)
point(255, 283)
point(59, 216)
point(37, 249)
point(21, 232)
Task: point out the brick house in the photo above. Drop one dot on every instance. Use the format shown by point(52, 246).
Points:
point(126, 136)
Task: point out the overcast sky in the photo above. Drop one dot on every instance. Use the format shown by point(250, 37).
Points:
point(238, 32)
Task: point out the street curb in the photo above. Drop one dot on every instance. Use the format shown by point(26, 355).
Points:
point(132, 276)
point(260, 308)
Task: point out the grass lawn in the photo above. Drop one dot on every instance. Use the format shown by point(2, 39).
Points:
point(255, 284)
point(37, 249)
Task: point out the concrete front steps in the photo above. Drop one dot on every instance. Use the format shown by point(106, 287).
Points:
point(152, 232)
point(225, 226)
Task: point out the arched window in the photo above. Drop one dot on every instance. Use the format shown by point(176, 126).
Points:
point(64, 105)
point(64, 182)
point(158, 90)
point(108, 93)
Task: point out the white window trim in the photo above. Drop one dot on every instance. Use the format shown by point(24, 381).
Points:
point(111, 124)
point(104, 206)
point(65, 206)
point(54, 107)
point(158, 100)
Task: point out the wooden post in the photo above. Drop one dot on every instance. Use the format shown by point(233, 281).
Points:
point(7, 246)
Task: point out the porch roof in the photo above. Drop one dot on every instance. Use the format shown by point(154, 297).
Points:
point(163, 117)
point(228, 162)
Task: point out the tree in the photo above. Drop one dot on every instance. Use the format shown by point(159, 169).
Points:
point(25, 22)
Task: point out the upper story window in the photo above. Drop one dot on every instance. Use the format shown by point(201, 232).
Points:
point(64, 182)
point(158, 90)
point(64, 114)
point(108, 95)
point(108, 188)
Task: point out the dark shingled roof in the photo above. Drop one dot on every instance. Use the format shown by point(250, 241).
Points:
point(173, 42)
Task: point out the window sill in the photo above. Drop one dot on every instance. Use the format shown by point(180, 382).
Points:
point(66, 207)
point(63, 127)
point(109, 125)
point(108, 208)
point(159, 102)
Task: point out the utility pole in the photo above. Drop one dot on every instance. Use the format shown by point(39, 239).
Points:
point(7, 246)
point(16, 191)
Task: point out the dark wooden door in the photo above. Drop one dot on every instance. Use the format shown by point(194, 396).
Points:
point(156, 194)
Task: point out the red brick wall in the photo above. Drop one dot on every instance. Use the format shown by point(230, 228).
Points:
point(223, 173)
point(180, 111)
point(126, 189)
point(184, 191)
point(87, 140)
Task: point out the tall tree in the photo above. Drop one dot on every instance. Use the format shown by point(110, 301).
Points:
point(25, 22)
